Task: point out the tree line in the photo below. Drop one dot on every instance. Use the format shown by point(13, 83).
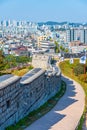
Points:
point(11, 61)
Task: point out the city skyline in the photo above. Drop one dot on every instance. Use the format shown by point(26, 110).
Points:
point(41, 11)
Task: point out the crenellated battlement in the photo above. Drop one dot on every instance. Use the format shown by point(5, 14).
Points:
point(21, 95)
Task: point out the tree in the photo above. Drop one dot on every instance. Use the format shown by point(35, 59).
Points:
point(56, 47)
point(66, 50)
point(1, 57)
point(1, 60)
point(63, 49)
point(22, 59)
point(10, 60)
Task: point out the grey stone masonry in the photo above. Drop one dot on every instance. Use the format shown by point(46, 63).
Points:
point(10, 93)
point(21, 95)
point(42, 61)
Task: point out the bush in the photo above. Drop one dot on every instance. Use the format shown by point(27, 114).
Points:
point(7, 66)
point(30, 67)
point(79, 69)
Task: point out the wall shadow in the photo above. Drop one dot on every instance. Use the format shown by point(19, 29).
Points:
point(45, 122)
point(53, 117)
point(68, 98)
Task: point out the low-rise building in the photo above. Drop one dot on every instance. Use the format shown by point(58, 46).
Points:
point(47, 46)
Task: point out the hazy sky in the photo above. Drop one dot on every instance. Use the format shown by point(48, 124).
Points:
point(44, 10)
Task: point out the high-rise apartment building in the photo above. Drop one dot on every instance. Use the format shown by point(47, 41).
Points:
point(83, 37)
point(76, 35)
point(70, 35)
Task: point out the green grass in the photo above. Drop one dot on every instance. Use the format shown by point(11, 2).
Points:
point(67, 69)
point(33, 116)
point(18, 72)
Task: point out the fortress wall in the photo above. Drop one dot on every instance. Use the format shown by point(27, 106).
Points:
point(19, 98)
point(52, 85)
point(33, 94)
point(10, 97)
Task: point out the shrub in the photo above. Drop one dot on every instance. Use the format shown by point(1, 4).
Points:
point(30, 67)
point(79, 69)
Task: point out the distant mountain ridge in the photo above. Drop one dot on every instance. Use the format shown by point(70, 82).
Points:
point(58, 23)
point(51, 23)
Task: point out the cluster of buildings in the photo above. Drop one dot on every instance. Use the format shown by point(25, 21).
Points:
point(21, 95)
point(25, 38)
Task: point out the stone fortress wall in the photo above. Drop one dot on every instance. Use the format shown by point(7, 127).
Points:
point(41, 61)
point(21, 95)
